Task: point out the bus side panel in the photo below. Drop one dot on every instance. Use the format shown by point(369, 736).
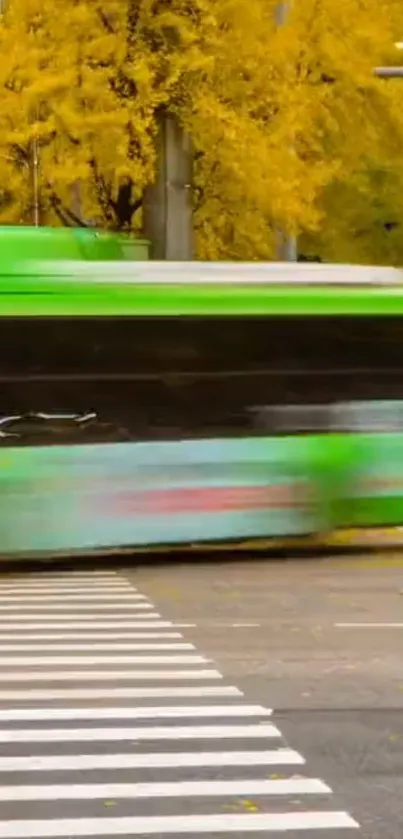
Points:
point(56, 498)
point(334, 462)
point(373, 496)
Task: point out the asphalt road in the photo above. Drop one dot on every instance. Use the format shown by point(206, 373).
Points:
point(321, 642)
point(193, 698)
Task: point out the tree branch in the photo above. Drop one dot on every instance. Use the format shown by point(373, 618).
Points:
point(65, 215)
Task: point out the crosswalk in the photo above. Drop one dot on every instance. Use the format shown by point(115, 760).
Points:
point(113, 724)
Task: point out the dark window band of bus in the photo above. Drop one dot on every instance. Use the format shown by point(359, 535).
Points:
point(190, 378)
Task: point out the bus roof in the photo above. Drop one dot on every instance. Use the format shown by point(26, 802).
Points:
point(122, 289)
point(189, 273)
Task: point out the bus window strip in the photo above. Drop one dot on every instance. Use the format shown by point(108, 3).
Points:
point(263, 420)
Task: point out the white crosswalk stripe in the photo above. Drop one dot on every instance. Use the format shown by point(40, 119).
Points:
point(63, 660)
point(28, 599)
point(91, 647)
point(80, 792)
point(85, 636)
point(152, 760)
point(133, 712)
point(67, 588)
point(73, 694)
point(88, 624)
point(130, 675)
point(93, 680)
point(188, 732)
point(79, 611)
point(220, 823)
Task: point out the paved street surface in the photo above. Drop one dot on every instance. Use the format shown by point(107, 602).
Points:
point(139, 701)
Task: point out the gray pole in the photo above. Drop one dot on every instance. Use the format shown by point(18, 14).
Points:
point(35, 181)
point(388, 72)
point(168, 209)
point(287, 246)
point(35, 163)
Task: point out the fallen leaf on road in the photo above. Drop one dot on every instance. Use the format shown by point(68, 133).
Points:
point(250, 806)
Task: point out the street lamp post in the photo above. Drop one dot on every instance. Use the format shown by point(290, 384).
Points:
point(287, 247)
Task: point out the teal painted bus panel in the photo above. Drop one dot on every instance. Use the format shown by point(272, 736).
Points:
point(73, 498)
point(99, 496)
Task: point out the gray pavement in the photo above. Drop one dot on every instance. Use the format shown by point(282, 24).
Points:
point(321, 642)
point(138, 701)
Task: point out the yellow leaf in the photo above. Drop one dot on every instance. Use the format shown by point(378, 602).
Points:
point(250, 806)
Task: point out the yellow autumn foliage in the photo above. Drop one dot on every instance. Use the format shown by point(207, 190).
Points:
point(290, 128)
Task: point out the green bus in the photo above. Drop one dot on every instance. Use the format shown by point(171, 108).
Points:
point(161, 404)
point(70, 243)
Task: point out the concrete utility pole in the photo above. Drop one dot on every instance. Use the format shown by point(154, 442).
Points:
point(168, 206)
point(287, 246)
point(35, 182)
point(388, 72)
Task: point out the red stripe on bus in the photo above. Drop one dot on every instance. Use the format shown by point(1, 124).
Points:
point(204, 500)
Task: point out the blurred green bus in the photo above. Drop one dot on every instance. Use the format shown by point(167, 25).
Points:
point(71, 243)
point(161, 404)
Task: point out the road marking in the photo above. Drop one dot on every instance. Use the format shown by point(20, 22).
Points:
point(91, 608)
point(103, 646)
point(87, 617)
point(68, 581)
point(219, 625)
point(105, 675)
point(187, 625)
point(368, 625)
point(85, 636)
point(220, 823)
point(241, 625)
point(141, 712)
point(68, 588)
point(188, 732)
point(69, 614)
point(92, 624)
point(179, 789)
point(28, 599)
point(70, 575)
point(149, 760)
point(40, 660)
point(49, 694)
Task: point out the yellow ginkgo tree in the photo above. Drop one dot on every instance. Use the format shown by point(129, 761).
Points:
point(286, 123)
